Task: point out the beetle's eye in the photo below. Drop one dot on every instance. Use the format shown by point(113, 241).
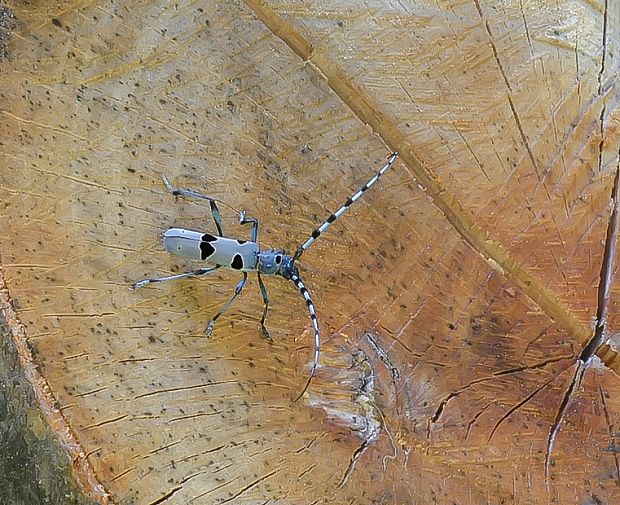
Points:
point(278, 259)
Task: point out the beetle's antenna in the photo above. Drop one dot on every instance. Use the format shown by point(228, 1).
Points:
point(317, 232)
point(317, 334)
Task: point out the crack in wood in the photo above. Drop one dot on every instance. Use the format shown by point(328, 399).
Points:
point(213, 489)
point(374, 420)
point(383, 355)
point(509, 93)
point(250, 486)
point(439, 410)
point(611, 431)
point(184, 388)
point(516, 407)
point(555, 427)
point(606, 277)
point(107, 421)
point(597, 340)
point(168, 495)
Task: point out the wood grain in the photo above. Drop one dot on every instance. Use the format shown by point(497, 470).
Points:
point(473, 265)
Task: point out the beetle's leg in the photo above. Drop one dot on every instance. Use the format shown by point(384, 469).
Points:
point(250, 220)
point(215, 212)
point(263, 292)
point(193, 273)
point(225, 307)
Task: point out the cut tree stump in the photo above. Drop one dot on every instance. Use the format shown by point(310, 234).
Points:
point(455, 298)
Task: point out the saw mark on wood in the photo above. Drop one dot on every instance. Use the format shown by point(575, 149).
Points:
point(45, 127)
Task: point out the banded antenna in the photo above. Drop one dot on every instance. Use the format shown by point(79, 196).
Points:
point(332, 217)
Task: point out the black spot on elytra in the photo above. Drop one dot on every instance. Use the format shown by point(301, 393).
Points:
point(206, 250)
point(237, 262)
point(241, 242)
point(207, 237)
point(278, 259)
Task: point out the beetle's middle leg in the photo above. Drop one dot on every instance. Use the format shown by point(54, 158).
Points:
point(225, 307)
point(263, 292)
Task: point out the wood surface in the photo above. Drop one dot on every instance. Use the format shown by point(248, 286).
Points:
point(455, 299)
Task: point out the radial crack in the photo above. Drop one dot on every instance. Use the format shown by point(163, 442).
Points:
point(604, 53)
point(517, 407)
point(372, 422)
point(165, 497)
point(604, 287)
point(442, 405)
point(252, 484)
point(611, 431)
point(555, 427)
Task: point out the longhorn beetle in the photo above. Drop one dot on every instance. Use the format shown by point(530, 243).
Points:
point(246, 256)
